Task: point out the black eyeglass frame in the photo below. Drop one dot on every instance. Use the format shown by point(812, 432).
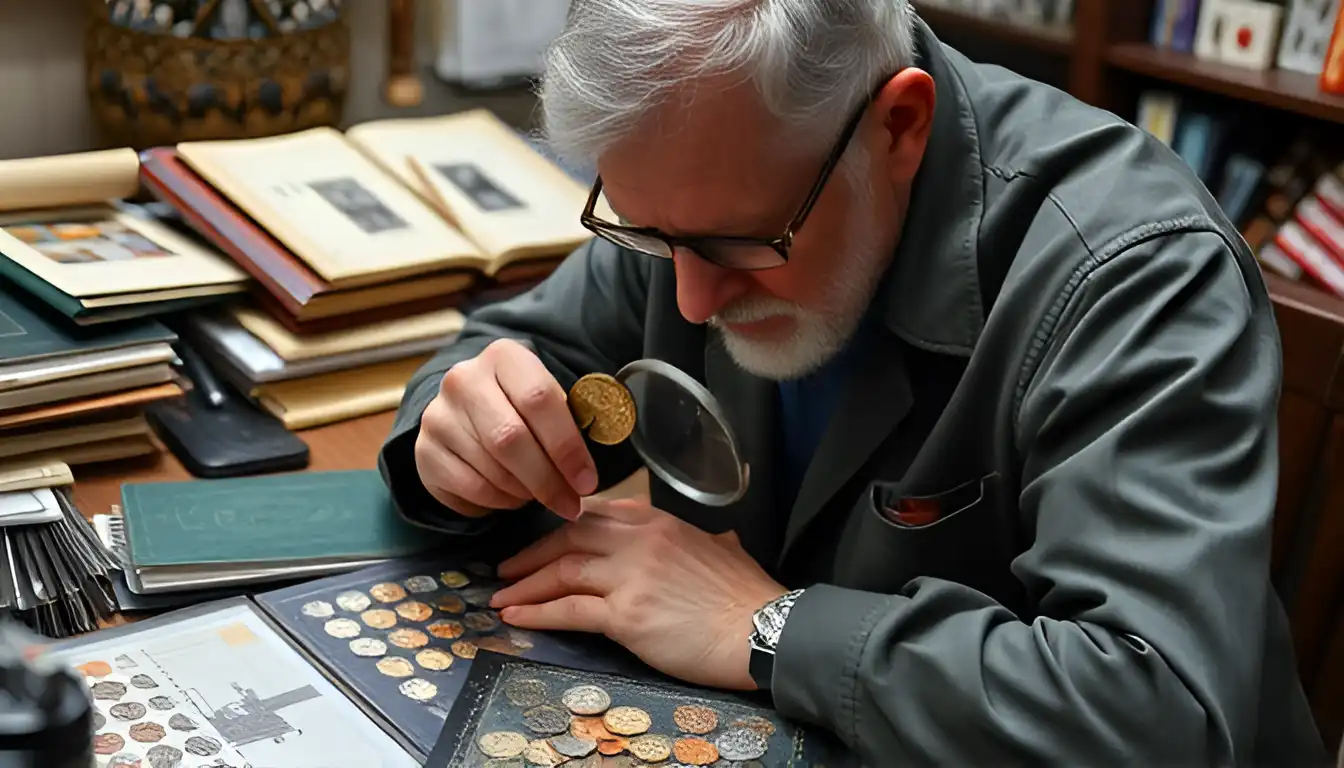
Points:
point(697, 243)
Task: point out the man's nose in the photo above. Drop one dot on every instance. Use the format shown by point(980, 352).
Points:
point(703, 288)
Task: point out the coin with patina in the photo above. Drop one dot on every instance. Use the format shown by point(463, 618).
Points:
point(573, 747)
point(540, 752)
point(450, 604)
point(421, 584)
point(739, 744)
point(627, 721)
point(651, 747)
point(590, 728)
point(526, 692)
point(162, 703)
point(143, 681)
point(127, 711)
point(387, 592)
point(395, 666)
point(203, 746)
point(502, 743)
point(454, 579)
point(464, 649)
point(108, 690)
point(546, 719)
point(181, 722)
point(516, 761)
point(481, 621)
point(434, 660)
point(695, 751)
point(379, 618)
point(408, 638)
point(604, 407)
point(586, 700)
point(147, 733)
point(755, 723)
point(695, 718)
point(107, 743)
point(446, 629)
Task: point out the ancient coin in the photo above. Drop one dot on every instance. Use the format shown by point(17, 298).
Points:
point(420, 690)
point(144, 682)
point(498, 645)
point(342, 628)
point(162, 703)
point(434, 659)
point(395, 666)
point(124, 760)
point(124, 662)
point(695, 751)
point(108, 690)
point(454, 579)
point(696, 719)
point(516, 761)
point(414, 610)
point(479, 569)
point(95, 669)
point(421, 584)
point(481, 621)
point(450, 604)
point(318, 609)
point(546, 719)
point(127, 711)
point(526, 692)
point(479, 596)
point(368, 646)
point(604, 407)
point(502, 743)
point(379, 618)
point(540, 752)
point(595, 760)
point(590, 728)
point(586, 700)
point(755, 723)
point(147, 733)
point(464, 649)
point(613, 746)
point(627, 721)
point(520, 639)
point(164, 756)
point(352, 601)
point(203, 746)
point(408, 638)
point(387, 592)
point(182, 723)
point(98, 720)
point(651, 747)
point(740, 744)
point(107, 743)
point(446, 629)
point(572, 747)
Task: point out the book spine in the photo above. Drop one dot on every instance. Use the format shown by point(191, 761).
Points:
point(1332, 73)
point(1328, 230)
point(1187, 21)
point(1274, 259)
point(1295, 242)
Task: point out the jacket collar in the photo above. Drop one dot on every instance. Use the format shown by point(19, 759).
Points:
point(930, 295)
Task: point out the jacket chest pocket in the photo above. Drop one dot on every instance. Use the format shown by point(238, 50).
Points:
point(962, 533)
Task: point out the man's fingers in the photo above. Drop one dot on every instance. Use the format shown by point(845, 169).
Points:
point(620, 510)
point(540, 400)
point(455, 432)
point(576, 613)
point(571, 574)
point(573, 538)
point(443, 469)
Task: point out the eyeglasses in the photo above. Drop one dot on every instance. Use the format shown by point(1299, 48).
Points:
point(731, 252)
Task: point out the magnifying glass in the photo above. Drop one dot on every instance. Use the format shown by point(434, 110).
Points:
point(672, 421)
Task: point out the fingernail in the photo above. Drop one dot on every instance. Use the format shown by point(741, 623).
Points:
point(586, 482)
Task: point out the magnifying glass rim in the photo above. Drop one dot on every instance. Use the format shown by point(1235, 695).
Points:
point(710, 404)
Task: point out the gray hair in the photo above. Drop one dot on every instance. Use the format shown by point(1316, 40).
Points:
point(811, 61)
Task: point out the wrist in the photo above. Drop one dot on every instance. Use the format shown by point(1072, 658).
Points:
point(767, 626)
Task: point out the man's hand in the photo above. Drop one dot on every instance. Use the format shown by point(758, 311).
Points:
point(677, 597)
point(500, 434)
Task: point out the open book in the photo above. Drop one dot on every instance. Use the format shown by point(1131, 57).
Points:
point(65, 238)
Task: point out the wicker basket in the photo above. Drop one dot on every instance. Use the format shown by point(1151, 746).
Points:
point(151, 87)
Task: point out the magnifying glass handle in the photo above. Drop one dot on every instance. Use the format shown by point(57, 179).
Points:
point(604, 407)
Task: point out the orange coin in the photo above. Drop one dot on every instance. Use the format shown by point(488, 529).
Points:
point(414, 610)
point(693, 751)
point(612, 747)
point(696, 719)
point(95, 669)
point(446, 629)
point(591, 728)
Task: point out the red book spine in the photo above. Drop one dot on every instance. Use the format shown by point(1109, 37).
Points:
point(1332, 74)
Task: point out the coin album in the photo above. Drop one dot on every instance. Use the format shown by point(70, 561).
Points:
point(516, 712)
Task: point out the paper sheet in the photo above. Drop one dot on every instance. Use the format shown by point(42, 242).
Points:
point(488, 40)
point(55, 181)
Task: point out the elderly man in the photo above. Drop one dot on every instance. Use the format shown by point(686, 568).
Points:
point(1005, 376)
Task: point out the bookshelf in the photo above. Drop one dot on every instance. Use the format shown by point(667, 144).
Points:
point(1038, 37)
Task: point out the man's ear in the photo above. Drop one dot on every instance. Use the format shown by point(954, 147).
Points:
point(905, 106)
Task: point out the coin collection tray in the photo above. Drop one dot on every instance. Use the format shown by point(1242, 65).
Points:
point(515, 713)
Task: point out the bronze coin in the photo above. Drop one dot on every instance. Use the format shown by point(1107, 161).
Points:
point(590, 728)
point(481, 621)
point(128, 711)
point(454, 579)
point(107, 743)
point(696, 719)
point(379, 618)
point(108, 690)
point(414, 610)
point(387, 592)
point(147, 733)
point(627, 721)
point(446, 629)
point(604, 407)
point(694, 751)
point(450, 604)
point(498, 645)
point(613, 746)
point(434, 659)
point(755, 723)
point(408, 638)
point(464, 649)
point(651, 747)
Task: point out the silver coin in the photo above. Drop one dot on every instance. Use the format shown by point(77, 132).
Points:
point(162, 703)
point(586, 700)
point(318, 609)
point(421, 584)
point(525, 692)
point(739, 744)
point(573, 747)
point(546, 719)
point(353, 601)
point(143, 681)
point(342, 628)
point(368, 646)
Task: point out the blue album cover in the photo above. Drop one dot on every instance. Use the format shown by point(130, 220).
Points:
point(401, 636)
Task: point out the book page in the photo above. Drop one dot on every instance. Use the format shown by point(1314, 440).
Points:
point(290, 346)
point(101, 250)
point(347, 219)
point(67, 180)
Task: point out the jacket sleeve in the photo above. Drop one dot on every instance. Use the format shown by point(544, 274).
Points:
point(588, 316)
point(1147, 436)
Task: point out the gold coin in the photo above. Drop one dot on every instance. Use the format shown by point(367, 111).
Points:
point(446, 630)
point(408, 638)
point(464, 649)
point(694, 751)
point(395, 666)
point(540, 752)
point(651, 747)
point(604, 407)
point(379, 618)
point(502, 743)
point(627, 721)
point(696, 719)
point(450, 604)
point(434, 659)
point(454, 579)
point(414, 610)
point(387, 592)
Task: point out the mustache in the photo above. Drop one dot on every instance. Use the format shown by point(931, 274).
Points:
point(754, 309)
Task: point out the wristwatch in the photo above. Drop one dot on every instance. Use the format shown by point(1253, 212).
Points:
point(769, 624)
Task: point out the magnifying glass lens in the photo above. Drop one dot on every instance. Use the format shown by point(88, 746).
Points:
point(677, 434)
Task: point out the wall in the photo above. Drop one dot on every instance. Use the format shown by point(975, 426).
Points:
point(44, 109)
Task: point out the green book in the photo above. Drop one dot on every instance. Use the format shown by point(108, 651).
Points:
point(226, 532)
point(30, 331)
point(75, 311)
